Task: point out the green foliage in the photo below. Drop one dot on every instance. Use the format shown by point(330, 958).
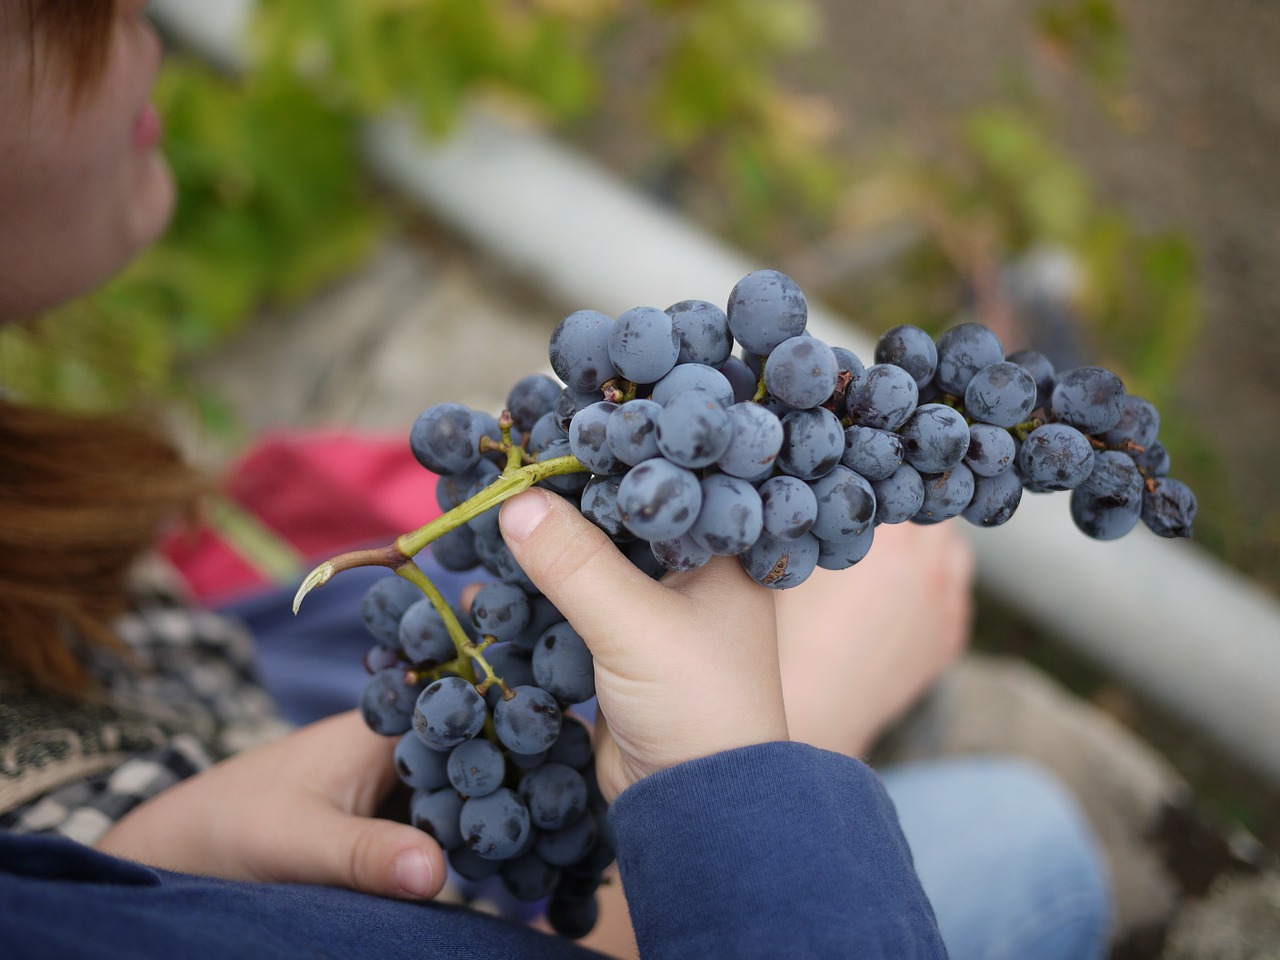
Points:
point(1090, 34)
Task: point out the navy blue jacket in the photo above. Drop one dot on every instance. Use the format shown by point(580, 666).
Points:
point(773, 851)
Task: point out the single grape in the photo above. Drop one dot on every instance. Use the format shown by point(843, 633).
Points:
point(562, 664)
point(496, 825)
point(812, 444)
point(386, 702)
point(456, 550)
point(476, 767)
point(545, 430)
point(788, 507)
point(573, 917)
point(500, 610)
point(755, 441)
point(532, 398)
point(935, 438)
point(436, 812)
point(446, 438)
point(600, 505)
point(448, 711)
point(1003, 394)
point(579, 350)
point(1153, 461)
point(1168, 508)
point(1041, 370)
point(779, 564)
point(630, 431)
point(529, 722)
point(873, 453)
point(469, 864)
point(963, 350)
point(1139, 424)
point(1100, 521)
point(498, 560)
point(565, 484)
point(846, 505)
point(703, 330)
point(424, 638)
point(801, 372)
point(693, 376)
point(381, 656)
point(1114, 481)
point(453, 488)
point(568, 845)
point(1088, 398)
point(384, 603)
point(730, 519)
point(765, 308)
point(644, 344)
point(883, 397)
point(848, 367)
point(682, 553)
point(911, 349)
point(991, 450)
point(529, 877)
point(741, 379)
point(899, 496)
point(555, 794)
point(841, 556)
point(693, 429)
point(568, 404)
point(573, 746)
point(587, 438)
point(1055, 457)
point(995, 498)
point(511, 664)
point(418, 766)
point(658, 500)
point(946, 495)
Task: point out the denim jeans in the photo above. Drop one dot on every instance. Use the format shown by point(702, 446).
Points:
point(1006, 858)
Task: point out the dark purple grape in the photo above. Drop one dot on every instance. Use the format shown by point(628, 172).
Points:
point(532, 398)
point(730, 519)
point(562, 664)
point(381, 656)
point(741, 379)
point(546, 429)
point(1003, 394)
point(899, 496)
point(456, 550)
point(452, 489)
point(424, 638)
point(529, 722)
point(693, 376)
point(466, 863)
point(813, 442)
point(946, 495)
point(512, 664)
point(579, 350)
point(435, 812)
point(600, 505)
point(935, 438)
point(788, 507)
point(883, 397)
point(1100, 521)
point(703, 330)
point(801, 372)
point(567, 406)
point(630, 431)
point(496, 825)
point(911, 349)
point(1169, 508)
point(765, 308)
point(587, 438)
point(1114, 480)
point(448, 711)
point(573, 746)
point(754, 444)
point(1088, 398)
point(962, 351)
point(644, 344)
point(846, 505)
point(573, 917)
point(682, 553)
point(476, 767)
point(1139, 424)
point(384, 603)
point(843, 555)
point(693, 430)
point(569, 844)
point(555, 794)
point(994, 500)
point(529, 877)
point(658, 500)
point(991, 450)
point(386, 702)
point(500, 610)
point(873, 453)
point(446, 438)
point(1153, 461)
point(1055, 457)
point(779, 564)
point(565, 484)
point(1041, 370)
point(418, 766)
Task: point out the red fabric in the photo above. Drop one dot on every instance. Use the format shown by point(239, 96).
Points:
point(320, 492)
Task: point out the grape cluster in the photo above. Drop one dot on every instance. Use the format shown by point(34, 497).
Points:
point(786, 455)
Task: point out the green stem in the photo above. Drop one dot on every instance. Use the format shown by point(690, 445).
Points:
point(461, 642)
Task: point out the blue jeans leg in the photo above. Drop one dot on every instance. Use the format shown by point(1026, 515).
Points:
point(1006, 857)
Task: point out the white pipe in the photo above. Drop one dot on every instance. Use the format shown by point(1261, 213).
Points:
point(1165, 616)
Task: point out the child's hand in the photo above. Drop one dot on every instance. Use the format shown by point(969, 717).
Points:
point(860, 646)
point(297, 810)
point(684, 668)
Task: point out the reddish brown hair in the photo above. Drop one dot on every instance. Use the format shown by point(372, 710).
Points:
point(80, 497)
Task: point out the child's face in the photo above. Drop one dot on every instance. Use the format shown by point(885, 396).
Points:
point(83, 187)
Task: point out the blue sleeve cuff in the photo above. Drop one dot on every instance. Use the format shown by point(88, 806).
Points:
point(778, 849)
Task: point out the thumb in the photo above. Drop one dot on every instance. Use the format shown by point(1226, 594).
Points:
point(380, 857)
point(575, 565)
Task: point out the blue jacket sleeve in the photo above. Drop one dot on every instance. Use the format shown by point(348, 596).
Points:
point(775, 850)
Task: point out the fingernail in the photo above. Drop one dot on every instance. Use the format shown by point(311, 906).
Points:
point(414, 873)
point(521, 514)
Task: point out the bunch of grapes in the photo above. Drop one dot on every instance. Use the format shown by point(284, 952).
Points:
point(786, 455)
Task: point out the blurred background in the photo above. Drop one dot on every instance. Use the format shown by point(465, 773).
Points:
point(1095, 178)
